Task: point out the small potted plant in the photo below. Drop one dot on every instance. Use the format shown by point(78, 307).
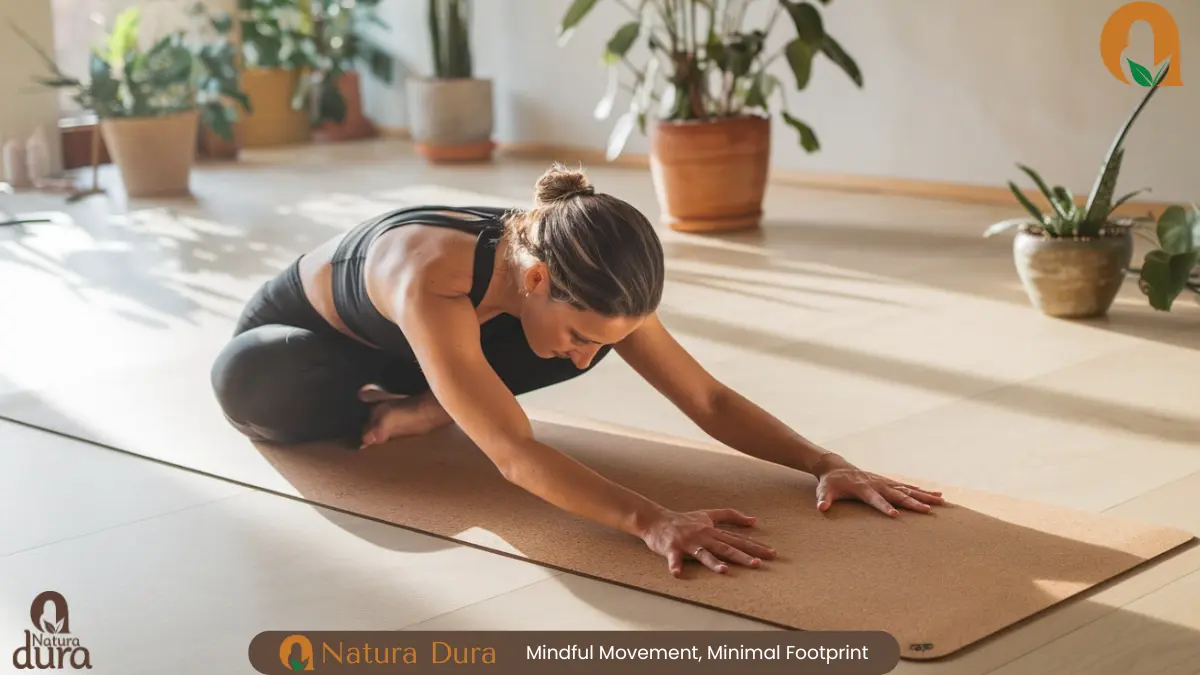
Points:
point(278, 51)
point(150, 102)
point(334, 89)
point(1072, 260)
point(1174, 265)
point(708, 87)
point(450, 113)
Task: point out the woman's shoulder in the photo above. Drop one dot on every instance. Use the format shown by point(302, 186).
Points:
point(438, 259)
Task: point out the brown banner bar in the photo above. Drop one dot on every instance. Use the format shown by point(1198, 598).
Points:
point(575, 652)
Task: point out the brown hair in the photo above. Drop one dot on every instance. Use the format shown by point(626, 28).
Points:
point(602, 253)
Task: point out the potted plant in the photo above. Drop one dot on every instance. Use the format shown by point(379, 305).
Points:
point(450, 113)
point(278, 50)
point(1174, 265)
point(150, 102)
point(333, 91)
point(1072, 259)
point(220, 129)
point(706, 82)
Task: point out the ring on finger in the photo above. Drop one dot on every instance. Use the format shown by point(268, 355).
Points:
point(696, 553)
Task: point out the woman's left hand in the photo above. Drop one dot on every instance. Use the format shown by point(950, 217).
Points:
point(839, 479)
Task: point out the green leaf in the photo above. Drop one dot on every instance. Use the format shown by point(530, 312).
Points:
point(1164, 276)
point(834, 52)
point(1067, 201)
point(124, 36)
point(1140, 73)
point(621, 41)
point(1158, 75)
point(808, 139)
point(799, 56)
point(1175, 231)
point(1127, 197)
point(575, 13)
point(1046, 192)
point(1029, 206)
point(806, 18)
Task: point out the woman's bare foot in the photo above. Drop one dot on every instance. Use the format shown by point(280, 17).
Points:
point(395, 417)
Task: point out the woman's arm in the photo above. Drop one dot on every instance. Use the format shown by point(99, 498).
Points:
point(733, 420)
point(444, 334)
point(719, 411)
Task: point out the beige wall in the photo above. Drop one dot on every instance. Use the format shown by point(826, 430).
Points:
point(956, 90)
point(25, 105)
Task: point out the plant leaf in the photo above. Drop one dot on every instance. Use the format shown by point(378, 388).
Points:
point(1174, 231)
point(1127, 197)
point(619, 44)
point(605, 107)
point(1099, 201)
point(1164, 276)
point(806, 18)
point(574, 14)
point(1029, 206)
point(1003, 225)
point(1140, 73)
point(808, 139)
point(620, 135)
point(834, 52)
point(799, 56)
point(1046, 192)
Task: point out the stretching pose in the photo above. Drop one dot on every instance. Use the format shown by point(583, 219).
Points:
point(430, 315)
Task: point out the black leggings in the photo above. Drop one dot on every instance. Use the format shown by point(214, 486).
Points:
point(287, 376)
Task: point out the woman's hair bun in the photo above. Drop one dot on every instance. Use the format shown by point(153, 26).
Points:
point(560, 183)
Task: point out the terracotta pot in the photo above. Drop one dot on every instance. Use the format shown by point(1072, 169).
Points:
point(355, 124)
point(273, 121)
point(212, 146)
point(153, 154)
point(1072, 278)
point(711, 175)
point(451, 120)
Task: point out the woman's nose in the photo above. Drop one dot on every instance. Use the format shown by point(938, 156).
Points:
point(582, 356)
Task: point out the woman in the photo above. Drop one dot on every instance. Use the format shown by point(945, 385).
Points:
point(425, 316)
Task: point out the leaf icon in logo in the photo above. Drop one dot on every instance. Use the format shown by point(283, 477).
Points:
point(298, 665)
point(1140, 73)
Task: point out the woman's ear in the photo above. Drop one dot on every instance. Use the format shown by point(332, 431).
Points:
point(537, 278)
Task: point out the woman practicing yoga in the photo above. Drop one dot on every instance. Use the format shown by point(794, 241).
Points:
point(430, 315)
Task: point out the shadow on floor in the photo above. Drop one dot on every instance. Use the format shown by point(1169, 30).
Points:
point(957, 263)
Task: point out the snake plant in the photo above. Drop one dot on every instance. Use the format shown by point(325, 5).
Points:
point(1066, 218)
point(450, 36)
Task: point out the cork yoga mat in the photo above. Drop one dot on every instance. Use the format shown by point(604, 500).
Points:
point(937, 583)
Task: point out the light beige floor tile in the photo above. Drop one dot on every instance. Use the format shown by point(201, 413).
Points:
point(1088, 436)
point(570, 602)
point(194, 587)
point(53, 489)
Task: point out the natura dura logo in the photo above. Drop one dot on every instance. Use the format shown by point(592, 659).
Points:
point(51, 645)
point(1114, 40)
point(296, 652)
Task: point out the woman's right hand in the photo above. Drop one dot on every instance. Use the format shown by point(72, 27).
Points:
point(694, 534)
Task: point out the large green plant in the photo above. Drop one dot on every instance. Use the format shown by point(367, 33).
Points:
point(450, 38)
point(702, 63)
point(342, 43)
point(1068, 219)
point(277, 34)
point(1172, 267)
point(173, 75)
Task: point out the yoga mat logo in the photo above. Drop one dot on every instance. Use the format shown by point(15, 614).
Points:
point(296, 652)
point(52, 646)
point(1114, 39)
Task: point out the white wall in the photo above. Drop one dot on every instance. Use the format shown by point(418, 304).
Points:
point(955, 90)
point(25, 105)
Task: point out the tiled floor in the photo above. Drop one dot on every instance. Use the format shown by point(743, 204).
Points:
point(882, 327)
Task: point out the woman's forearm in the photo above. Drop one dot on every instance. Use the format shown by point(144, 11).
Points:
point(747, 428)
point(566, 483)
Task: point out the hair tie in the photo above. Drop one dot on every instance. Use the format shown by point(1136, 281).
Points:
point(588, 191)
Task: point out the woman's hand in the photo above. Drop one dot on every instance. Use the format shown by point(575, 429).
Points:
point(694, 534)
point(839, 479)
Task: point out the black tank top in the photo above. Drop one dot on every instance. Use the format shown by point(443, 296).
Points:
point(350, 298)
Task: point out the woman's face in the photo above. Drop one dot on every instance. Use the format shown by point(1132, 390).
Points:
point(556, 330)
